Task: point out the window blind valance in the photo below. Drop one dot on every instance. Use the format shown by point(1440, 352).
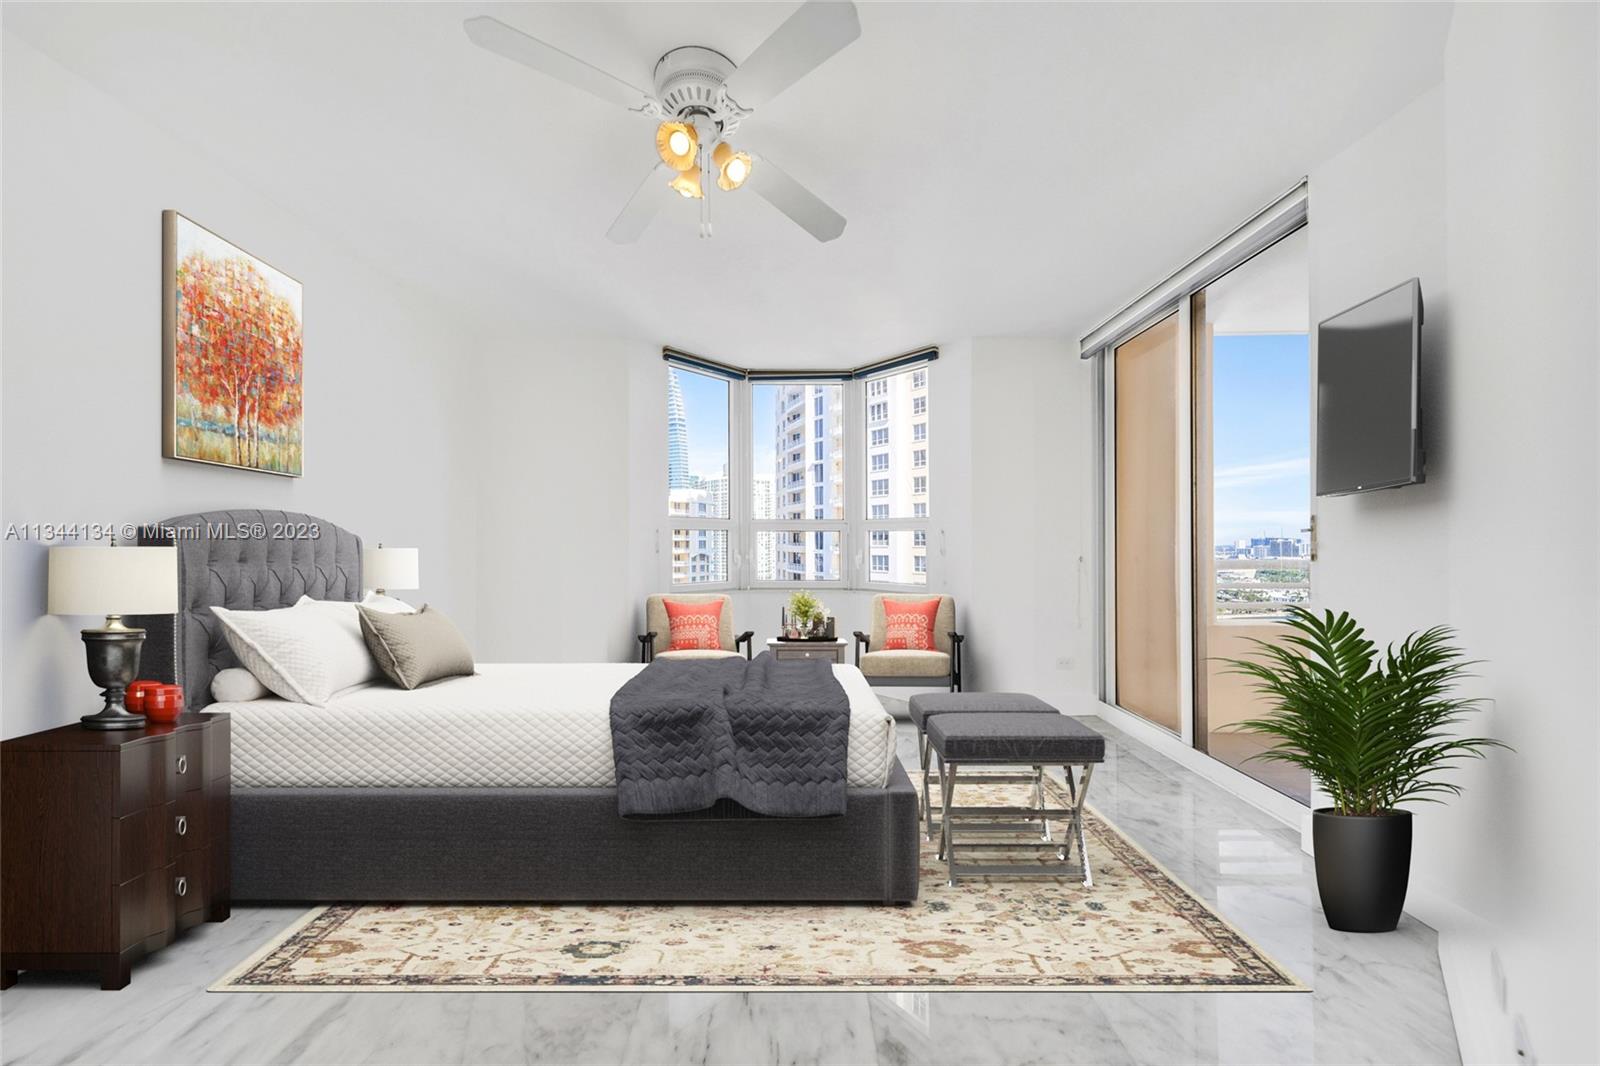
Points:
point(703, 365)
point(711, 366)
point(1281, 217)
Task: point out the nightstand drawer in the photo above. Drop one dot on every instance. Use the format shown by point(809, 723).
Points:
point(189, 881)
point(828, 653)
point(188, 759)
point(145, 777)
point(143, 842)
point(188, 823)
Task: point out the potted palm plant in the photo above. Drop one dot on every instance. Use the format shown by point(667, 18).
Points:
point(1374, 731)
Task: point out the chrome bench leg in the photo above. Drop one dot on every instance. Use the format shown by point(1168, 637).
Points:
point(923, 748)
point(1078, 794)
point(947, 843)
point(1039, 802)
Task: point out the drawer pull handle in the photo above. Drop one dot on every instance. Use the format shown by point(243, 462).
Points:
point(181, 887)
point(183, 764)
point(183, 825)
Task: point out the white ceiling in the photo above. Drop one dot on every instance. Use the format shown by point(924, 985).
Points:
point(1006, 169)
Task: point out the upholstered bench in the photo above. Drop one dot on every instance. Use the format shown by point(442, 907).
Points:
point(925, 706)
point(1009, 738)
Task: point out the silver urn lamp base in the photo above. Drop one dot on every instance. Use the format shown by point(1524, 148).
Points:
point(113, 652)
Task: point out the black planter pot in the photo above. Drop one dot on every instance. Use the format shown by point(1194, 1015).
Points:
point(1363, 865)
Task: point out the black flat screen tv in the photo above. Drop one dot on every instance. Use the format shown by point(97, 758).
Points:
point(1369, 415)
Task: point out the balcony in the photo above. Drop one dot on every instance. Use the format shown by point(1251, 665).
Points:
point(1260, 589)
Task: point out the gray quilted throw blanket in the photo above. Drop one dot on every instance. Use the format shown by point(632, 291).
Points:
point(768, 735)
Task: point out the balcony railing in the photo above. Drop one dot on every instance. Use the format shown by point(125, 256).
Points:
point(1260, 588)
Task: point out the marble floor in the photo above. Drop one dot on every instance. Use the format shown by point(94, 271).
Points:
point(1375, 998)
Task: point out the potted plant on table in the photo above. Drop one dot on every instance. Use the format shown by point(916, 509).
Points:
point(807, 613)
point(1374, 731)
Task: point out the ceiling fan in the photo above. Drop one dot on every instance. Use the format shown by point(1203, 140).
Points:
point(701, 97)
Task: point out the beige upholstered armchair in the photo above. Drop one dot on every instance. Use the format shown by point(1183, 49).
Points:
point(657, 630)
point(940, 666)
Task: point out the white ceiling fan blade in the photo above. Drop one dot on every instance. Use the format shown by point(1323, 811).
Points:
point(812, 34)
point(795, 200)
point(497, 37)
point(640, 209)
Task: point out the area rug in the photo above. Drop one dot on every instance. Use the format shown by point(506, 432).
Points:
point(1137, 928)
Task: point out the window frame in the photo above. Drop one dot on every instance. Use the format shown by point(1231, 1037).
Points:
point(854, 529)
point(737, 507)
point(753, 526)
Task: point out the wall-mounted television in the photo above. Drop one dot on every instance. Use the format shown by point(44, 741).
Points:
point(1369, 408)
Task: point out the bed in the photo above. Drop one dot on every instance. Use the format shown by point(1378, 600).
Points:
point(494, 787)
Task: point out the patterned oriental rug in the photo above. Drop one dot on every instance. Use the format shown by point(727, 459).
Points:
point(1137, 928)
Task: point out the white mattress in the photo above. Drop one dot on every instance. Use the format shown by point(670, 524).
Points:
point(512, 725)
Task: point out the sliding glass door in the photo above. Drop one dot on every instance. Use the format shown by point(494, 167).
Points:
point(1209, 528)
point(1149, 678)
point(1251, 359)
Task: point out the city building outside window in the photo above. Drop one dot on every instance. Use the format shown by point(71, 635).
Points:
point(699, 408)
point(896, 412)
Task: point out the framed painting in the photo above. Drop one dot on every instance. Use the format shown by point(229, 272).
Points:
point(233, 384)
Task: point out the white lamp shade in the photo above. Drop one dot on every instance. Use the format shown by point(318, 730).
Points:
point(122, 580)
point(389, 568)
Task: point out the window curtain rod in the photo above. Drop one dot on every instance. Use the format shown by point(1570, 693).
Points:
point(1281, 217)
point(711, 366)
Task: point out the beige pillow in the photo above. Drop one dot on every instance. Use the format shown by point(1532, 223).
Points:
point(413, 649)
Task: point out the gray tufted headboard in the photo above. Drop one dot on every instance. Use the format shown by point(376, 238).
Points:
point(243, 560)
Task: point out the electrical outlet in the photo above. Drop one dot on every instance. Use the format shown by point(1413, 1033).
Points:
point(1519, 1033)
point(1064, 662)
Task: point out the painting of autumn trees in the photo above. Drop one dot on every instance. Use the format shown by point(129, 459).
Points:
point(234, 355)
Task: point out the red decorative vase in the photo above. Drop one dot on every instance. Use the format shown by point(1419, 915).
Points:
point(134, 698)
point(164, 703)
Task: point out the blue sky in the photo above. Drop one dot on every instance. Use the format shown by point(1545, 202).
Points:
point(705, 403)
point(1261, 403)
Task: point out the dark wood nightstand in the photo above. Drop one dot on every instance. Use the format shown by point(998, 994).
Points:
point(113, 843)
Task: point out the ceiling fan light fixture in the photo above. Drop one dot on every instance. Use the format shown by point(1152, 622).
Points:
point(733, 167)
point(676, 144)
point(687, 184)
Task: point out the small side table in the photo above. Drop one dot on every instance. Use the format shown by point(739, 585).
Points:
point(831, 651)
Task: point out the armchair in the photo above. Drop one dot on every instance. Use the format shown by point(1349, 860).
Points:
point(939, 666)
point(657, 627)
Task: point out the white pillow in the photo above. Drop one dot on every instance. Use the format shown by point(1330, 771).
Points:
point(237, 685)
point(350, 662)
point(304, 653)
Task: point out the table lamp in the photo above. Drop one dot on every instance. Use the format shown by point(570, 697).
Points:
point(113, 581)
point(389, 568)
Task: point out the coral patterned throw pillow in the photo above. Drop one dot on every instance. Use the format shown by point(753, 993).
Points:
point(694, 626)
point(908, 626)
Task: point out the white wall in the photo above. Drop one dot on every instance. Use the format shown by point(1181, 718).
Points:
point(1486, 188)
point(80, 369)
point(551, 458)
point(1032, 612)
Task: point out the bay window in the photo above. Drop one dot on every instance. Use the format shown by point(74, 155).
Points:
point(827, 459)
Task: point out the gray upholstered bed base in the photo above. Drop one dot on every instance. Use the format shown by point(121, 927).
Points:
point(553, 844)
point(562, 844)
